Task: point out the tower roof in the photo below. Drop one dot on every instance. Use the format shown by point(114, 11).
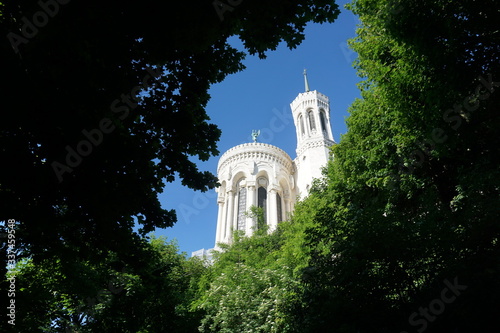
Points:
point(254, 151)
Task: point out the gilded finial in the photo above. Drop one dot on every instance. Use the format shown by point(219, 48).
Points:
point(255, 134)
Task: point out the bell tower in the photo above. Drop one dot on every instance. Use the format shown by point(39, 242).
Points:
point(311, 115)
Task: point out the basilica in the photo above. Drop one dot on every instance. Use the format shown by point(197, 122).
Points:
point(263, 175)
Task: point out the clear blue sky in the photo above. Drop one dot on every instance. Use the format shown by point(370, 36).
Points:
point(259, 98)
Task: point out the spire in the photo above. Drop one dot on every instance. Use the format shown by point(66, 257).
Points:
point(305, 80)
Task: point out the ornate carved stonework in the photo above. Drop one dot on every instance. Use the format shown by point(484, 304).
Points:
point(314, 144)
point(254, 151)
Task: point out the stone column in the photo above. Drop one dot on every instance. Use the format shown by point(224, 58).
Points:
point(249, 225)
point(223, 231)
point(272, 212)
point(307, 126)
point(220, 223)
point(236, 196)
point(317, 119)
point(287, 205)
point(230, 215)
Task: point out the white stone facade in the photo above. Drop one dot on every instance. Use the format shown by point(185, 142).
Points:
point(204, 254)
point(311, 115)
point(253, 174)
point(260, 174)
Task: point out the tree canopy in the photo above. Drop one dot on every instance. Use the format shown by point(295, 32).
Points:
point(401, 235)
point(412, 194)
point(106, 104)
point(111, 296)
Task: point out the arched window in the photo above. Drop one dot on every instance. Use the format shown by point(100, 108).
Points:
point(312, 123)
point(242, 204)
point(322, 118)
point(262, 197)
point(278, 206)
point(301, 122)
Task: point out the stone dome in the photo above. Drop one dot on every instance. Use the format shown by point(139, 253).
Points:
point(253, 174)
